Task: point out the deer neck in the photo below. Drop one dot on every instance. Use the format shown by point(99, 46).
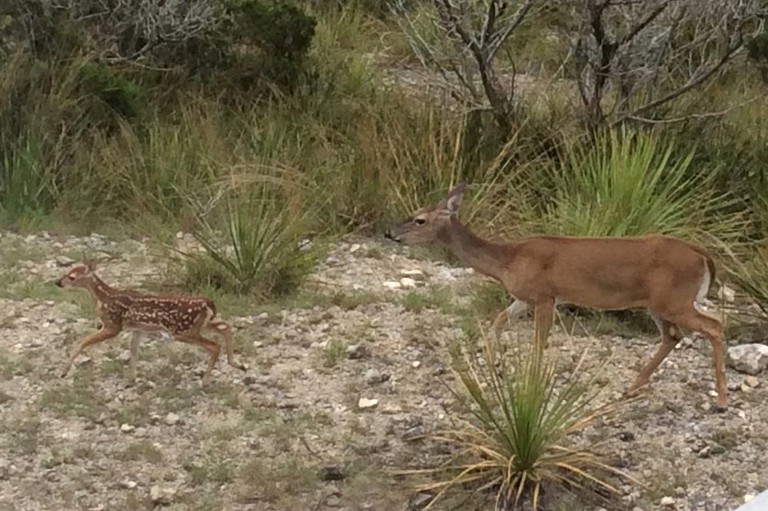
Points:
point(99, 290)
point(484, 256)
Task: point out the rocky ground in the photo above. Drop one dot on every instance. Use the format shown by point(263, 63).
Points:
point(342, 384)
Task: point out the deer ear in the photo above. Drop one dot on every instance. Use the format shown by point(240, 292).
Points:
point(452, 201)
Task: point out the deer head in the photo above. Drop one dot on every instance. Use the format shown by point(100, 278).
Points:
point(79, 276)
point(424, 225)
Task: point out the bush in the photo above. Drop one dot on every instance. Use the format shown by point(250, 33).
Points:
point(513, 437)
point(631, 184)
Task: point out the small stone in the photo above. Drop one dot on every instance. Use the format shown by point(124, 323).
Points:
point(374, 376)
point(179, 235)
point(712, 393)
point(172, 419)
point(726, 294)
point(416, 364)
point(748, 358)
point(706, 406)
point(128, 484)
point(364, 403)
point(667, 501)
point(354, 248)
point(391, 284)
point(162, 495)
point(126, 428)
point(419, 501)
point(356, 351)
point(752, 381)
point(407, 282)
point(748, 497)
point(413, 274)
point(64, 261)
point(742, 414)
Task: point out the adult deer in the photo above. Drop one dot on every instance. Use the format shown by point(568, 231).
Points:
point(181, 317)
point(667, 276)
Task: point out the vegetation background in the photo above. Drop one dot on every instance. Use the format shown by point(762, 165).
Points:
point(259, 124)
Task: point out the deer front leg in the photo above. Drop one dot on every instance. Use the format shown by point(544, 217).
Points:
point(543, 316)
point(106, 332)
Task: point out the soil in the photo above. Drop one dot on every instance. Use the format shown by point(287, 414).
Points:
point(376, 323)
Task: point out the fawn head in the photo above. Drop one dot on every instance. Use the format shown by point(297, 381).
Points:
point(79, 276)
point(424, 224)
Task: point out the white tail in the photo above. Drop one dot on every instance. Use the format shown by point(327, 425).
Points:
point(182, 317)
point(667, 276)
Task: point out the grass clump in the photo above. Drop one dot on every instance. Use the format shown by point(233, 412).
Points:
point(515, 439)
point(258, 247)
point(629, 184)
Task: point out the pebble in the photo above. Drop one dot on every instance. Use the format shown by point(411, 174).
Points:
point(355, 351)
point(407, 282)
point(667, 501)
point(126, 428)
point(391, 284)
point(374, 376)
point(416, 364)
point(172, 419)
point(162, 495)
point(364, 403)
point(752, 381)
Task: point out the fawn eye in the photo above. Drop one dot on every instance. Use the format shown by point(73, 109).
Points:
point(420, 221)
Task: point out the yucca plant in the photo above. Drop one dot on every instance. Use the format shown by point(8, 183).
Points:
point(256, 245)
point(514, 438)
point(636, 183)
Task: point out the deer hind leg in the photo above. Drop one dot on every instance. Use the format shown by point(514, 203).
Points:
point(514, 311)
point(106, 332)
point(670, 336)
point(711, 327)
point(543, 316)
point(135, 339)
point(196, 339)
point(225, 330)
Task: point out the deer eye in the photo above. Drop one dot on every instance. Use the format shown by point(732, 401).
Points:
point(420, 221)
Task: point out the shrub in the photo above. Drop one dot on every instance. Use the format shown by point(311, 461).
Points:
point(632, 184)
point(513, 438)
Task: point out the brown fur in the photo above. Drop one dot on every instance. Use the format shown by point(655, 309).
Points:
point(182, 317)
point(659, 273)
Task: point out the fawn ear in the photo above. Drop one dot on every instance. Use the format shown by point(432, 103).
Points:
point(89, 263)
point(452, 201)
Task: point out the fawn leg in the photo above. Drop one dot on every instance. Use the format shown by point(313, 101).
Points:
point(106, 332)
point(670, 336)
point(211, 347)
point(225, 330)
point(135, 338)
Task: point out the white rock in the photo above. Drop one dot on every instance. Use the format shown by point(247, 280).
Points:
point(414, 274)
point(162, 494)
point(748, 497)
point(179, 235)
point(391, 284)
point(407, 282)
point(727, 294)
point(416, 364)
point(364, 403)
point(751, 381)
point(748, 358)
point(126, 428)
point(354, 248)
point(172, 419)
point(667, 501)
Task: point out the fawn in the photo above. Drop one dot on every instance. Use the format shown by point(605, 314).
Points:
point(181, 317)
point(667, 276)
